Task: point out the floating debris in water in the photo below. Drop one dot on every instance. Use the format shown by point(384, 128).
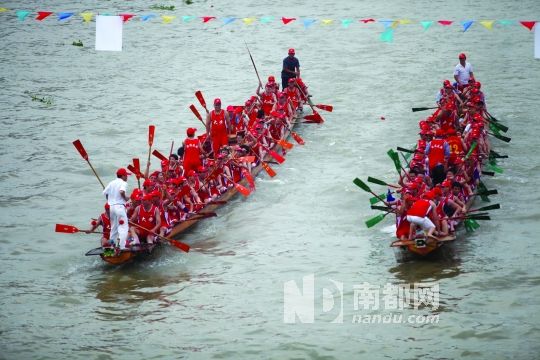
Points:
point(77, 43)
point(46, 100)
point(163, 7)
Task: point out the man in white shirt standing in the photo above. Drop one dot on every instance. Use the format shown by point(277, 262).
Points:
point(463, 72)
point(115, 192)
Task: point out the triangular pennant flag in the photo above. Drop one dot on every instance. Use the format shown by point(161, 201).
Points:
point(42, 15)
point(528, 24)
point(64, 15)
point(467, 24)
point(365, 21)
point(395, 24)
point(308, 22)
point(405, 21)
point(445, 22)
point(206, 19)
point(346, 22)
point(3, 9)
point(386, 23)
point(488, 24)
point(22, 14)
point(506, 22)
point(126, 17)
point(388, 35)
point(87, 16)
point(228, 20)
point(267, 19)
point(426, 24)
point(287, 20)
point(249, 20)
point(147, 17)
point(167, 18)
point(187, 18)
point(327, 21)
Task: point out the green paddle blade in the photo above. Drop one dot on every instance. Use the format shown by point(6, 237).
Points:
point(376, 181)
point(494, 168)
point(395, 158)
point(474, 224)
point(496, 155)
point(362, 185)
point(486, 208)
point(473, 146)
point(488, 192)
point(501, 137)
point(482, 189)
point(498, 124)
point(468, 225)
point(376, 199)
point(408, 155)
point(375, 220)
point(494, 128)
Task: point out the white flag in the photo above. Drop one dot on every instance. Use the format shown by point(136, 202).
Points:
point(109, 33)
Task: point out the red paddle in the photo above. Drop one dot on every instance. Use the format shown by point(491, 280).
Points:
point(200, 97)
point(180, 245)
point(159, 155)
point(151, 130)
point(297, 138)
point(249, 178)
point(80, 148)
point(197, 114)
point(328, 108)
point(241, 189)
point(70, 229)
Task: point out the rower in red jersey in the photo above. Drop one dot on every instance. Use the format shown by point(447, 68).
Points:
point(104, 221)
point(456, 144)
point(192, 151)
point(272, 84)
point(147, 216)
point(268, 99)
point(438, 151)
point(217, 125)
point(292, 92)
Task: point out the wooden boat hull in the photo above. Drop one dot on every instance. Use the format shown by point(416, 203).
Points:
point(124, 256)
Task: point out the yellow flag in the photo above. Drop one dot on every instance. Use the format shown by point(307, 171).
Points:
point(404, 21)
point(395, 24)
point(3, 9)
point(167, 18)
point(248, 21)
point(87, 16)
point(327, 21)
point(488, 24)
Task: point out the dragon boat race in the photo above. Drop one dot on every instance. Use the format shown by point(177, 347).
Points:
point(247, 180)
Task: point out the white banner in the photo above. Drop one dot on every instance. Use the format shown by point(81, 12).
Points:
point(109, 33)
point(537, 41)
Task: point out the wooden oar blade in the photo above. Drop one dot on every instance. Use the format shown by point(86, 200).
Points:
point(248, 159)
point(69, 229)
point(137, 164)
point(242, 190)
point(135, 171)
point(376, 181)
point(297, 138)
point(280, 159)
point(362, 185)
point(374, 220)
point(80, 148)
point(200, 97)
point(268, 169)
point(249, 178)
point(324, 107)
point(284, 144)
point(180, 245)
point(195, 112)
point(151, 131)
point(159, 155)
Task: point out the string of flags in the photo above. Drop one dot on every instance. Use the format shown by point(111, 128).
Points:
point(87, 17)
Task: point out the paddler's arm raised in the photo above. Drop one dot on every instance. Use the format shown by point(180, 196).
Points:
point(208, 122)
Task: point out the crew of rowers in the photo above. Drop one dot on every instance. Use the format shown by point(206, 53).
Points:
point(444, 171)
point(206, 166)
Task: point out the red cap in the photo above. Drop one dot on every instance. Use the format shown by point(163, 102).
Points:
point(271, 79)
point(291, 51)
point(190, 131)
point(446, 183)
point(217, 101)
point(440, 132)
point(135, 195)
point(155, 193)
point(418, 180)
point(122, 172)
point(462, 56)
point(430, 195)
point(477, 84)
point(437, 190)
point(147, 197)
point(147, 182)
point(447, 84)
point(107, 206)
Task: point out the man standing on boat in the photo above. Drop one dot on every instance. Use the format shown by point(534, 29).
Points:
point(291, 69)
point(116, 194)
point(463, 72)
point(218, 125)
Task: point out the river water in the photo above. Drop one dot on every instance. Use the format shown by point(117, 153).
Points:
point(225, 299)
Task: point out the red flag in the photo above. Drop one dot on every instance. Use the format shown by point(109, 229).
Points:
point(206, 19)
point(126, 17)
point(42, 15)
point(287, 20)
point(365, 21)
point(445, 22)
point(528, 24)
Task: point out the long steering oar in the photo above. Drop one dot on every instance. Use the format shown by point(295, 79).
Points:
point(80, 148)
point(70, 229)
point(253, 63)
point(415, 109)
point(178, 244)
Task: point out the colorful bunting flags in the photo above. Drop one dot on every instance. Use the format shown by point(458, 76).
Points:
point(267, 19)
point(467, 24)
point(426, 24)
point(445, 22)
point(528, 24)
point(87, 16)
point(2, 9)
point(206, 19)
point(167, 19)
point(365, 21)
point(308, 22)
point(249, 20)
point(43, 15)
point(287, 20)
point(64, 15)
point(488, 24)
point(346, 22)
point(187, 18)
point(386, 23)
point(506, 22)
point(228, 20)
point(22, 14)
point(327, 21)
point(148, 17)
point(126, 17)
point(387, 35)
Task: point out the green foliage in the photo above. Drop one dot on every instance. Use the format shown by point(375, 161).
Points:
point(162, 7)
